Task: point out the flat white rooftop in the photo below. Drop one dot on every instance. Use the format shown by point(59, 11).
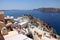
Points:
point(23, 23)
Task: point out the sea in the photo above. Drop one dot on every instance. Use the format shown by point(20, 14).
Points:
point(53, 18)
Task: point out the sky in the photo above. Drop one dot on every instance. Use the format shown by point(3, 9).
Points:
point(28, 4)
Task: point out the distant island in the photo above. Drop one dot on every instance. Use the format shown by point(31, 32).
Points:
point(48, 9)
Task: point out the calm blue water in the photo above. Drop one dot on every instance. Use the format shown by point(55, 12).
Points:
point(52, 18)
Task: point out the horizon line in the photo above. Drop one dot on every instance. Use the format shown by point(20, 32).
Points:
point(28, 9)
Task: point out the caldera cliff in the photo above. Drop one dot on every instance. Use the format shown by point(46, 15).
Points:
point(48, 9)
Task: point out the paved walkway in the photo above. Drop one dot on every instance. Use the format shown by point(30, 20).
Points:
point(13, 35)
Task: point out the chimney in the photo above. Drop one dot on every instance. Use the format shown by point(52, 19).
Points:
point(2, 16)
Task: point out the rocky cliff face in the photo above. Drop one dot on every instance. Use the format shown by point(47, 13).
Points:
point(46, 26)
point(48, 9)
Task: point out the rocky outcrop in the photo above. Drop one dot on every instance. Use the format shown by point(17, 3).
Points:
point(36, 22)
point(47, 27)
